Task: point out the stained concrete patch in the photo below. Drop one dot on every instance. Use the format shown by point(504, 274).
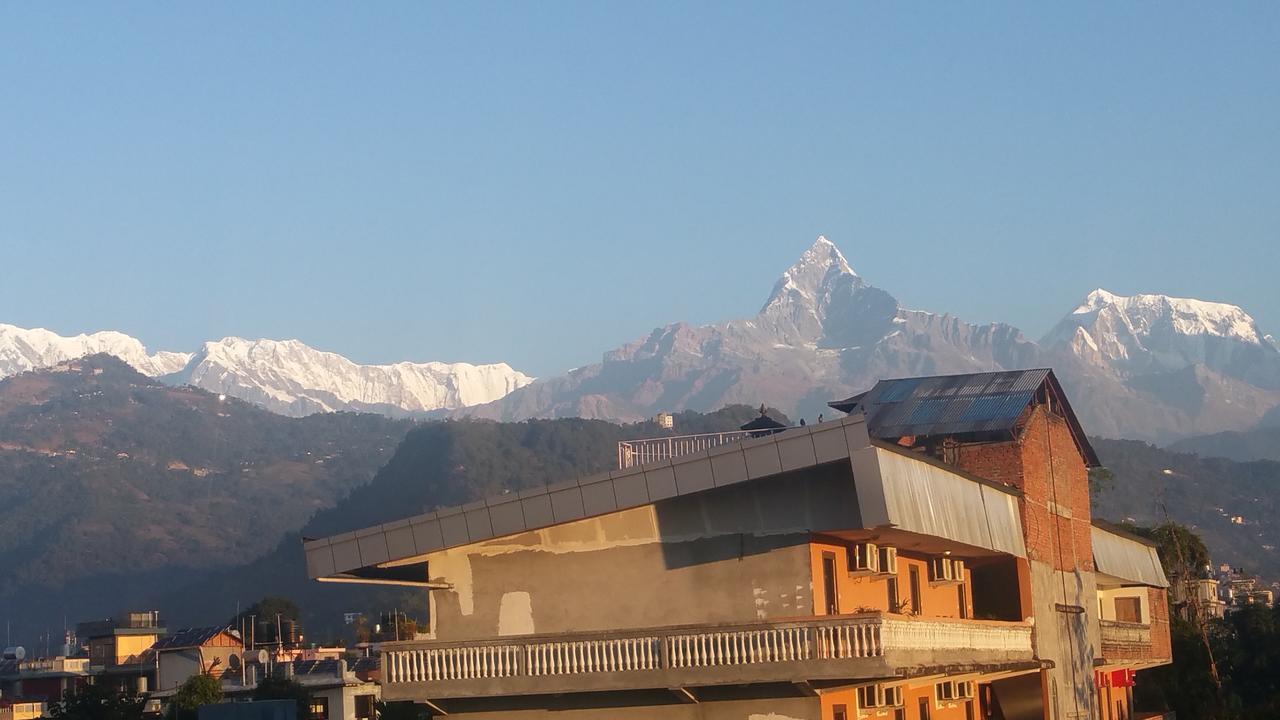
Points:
point(515, 614)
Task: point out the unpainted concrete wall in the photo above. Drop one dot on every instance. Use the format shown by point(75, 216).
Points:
point(734, 554)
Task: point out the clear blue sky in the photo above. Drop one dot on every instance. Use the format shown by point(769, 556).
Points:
point(540, 182)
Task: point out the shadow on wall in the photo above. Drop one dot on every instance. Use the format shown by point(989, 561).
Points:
point(756, 517)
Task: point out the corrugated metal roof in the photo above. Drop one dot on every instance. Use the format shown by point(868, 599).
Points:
point(931, 500)
point(988, 403)
point(191, 637)
point(1127, 559)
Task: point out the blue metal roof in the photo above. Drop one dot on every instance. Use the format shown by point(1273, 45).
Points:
point(192, 637)
point(983, 404)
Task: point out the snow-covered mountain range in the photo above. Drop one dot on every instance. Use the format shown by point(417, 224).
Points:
point(287, 377)
point(292, 378)
point(1146, 367)
point(22, 350)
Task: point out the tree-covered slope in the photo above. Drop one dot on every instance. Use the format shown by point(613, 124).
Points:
point(112, 483)
point(438, 464)
point(1151, 483)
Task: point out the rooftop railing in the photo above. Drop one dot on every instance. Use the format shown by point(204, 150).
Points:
point(642, 452)
point(625, 659)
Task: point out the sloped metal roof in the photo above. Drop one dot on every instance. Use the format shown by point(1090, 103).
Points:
point(984, 404)
point(191, 637)
point(1127, 558)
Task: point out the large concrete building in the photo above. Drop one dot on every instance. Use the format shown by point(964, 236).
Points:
point(930, 556)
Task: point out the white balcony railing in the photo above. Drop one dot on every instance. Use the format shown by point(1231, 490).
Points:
point(832, 638)
point(642, 452)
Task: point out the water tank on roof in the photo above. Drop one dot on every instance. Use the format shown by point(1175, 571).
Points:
point(15, 653)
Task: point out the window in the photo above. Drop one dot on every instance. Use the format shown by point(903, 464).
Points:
point(924, 705)
point(891, 586)
point(319, 708)
point(1129, 609)
point(364, 707)
point(840, 712)
point(968, 710)
point(829, 583)
point(899, 714)
point(964, 606)
point(914, 577)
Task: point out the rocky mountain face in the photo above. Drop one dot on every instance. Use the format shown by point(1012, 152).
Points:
point(1147, 367)
point(1158, 368)
point(286, 377)
point(110, 479)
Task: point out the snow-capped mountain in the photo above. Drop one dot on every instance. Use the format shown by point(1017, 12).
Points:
point(823, 333)
point(1151, 333)
point(22, 350)
point(1146, 367)
point(286, 377)
point(1158, 367)
point(292, 378)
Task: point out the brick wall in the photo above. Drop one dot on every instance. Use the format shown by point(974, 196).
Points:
point(1044, 462)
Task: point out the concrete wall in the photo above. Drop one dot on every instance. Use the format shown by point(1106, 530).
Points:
point(342, 700)
point(764, 709)
point(179, 664)
point(734, 554)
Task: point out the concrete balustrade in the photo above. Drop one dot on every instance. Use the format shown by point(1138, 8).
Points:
point(829, 646)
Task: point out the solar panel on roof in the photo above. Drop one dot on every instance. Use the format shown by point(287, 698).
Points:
point(898, 390)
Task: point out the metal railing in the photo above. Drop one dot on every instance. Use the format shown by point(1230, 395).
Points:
point(641, 452)
point(829, 638)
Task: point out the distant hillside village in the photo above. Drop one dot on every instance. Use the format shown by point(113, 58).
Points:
point(135, 657)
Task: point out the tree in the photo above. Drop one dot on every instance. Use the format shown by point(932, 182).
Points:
point(264, 614)
point(98, 702)
point(282, 688)
point(197, 690)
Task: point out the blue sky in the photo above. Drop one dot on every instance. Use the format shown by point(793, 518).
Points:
point(539, 182)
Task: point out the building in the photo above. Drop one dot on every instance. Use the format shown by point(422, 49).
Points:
point(120, 649)
point(44, 679)
point(665, 420)
point(22, 709)
point(930, 556)
point(339, 691)
point(1198, 597)
point(192, 651)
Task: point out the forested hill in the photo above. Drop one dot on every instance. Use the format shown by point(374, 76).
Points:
point(438, 464)
point(113, 485)
point(1151, 485)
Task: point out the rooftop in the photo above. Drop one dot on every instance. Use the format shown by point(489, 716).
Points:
point(980, 406)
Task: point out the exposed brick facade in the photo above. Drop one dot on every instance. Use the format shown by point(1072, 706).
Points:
point(1043, 462)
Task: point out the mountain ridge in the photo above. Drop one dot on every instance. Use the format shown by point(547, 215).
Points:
point(287, 377)
point(1174, 367)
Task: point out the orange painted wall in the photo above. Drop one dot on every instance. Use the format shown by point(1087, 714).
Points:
point(911, 706)
point(867, 593)
point(1108, 698)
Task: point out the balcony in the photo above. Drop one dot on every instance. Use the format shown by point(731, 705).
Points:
point(1125, 640)
point(868, 645)
point(642, 452)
